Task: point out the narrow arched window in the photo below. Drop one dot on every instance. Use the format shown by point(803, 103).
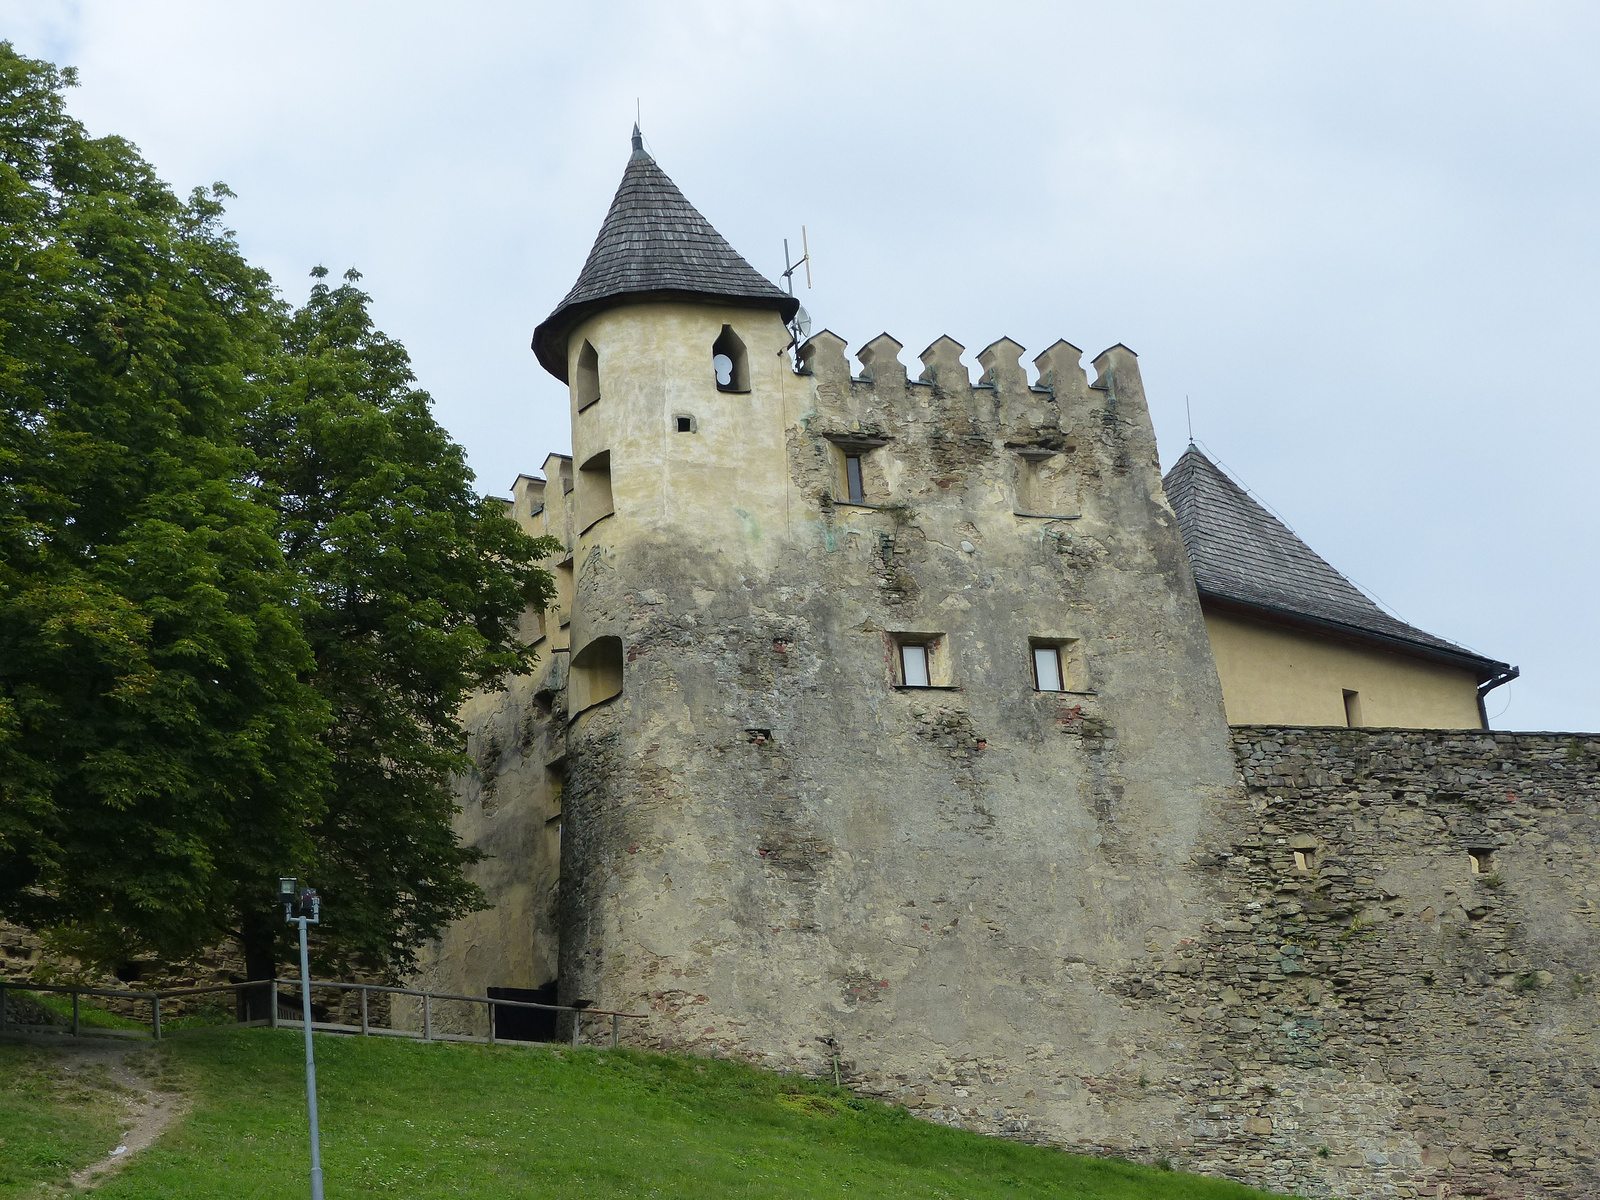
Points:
point(586, 380)
point(730, 362)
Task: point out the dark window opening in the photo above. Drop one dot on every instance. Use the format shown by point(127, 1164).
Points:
point(1482, 861)
point(730, 362)
point(524, 1024)
point(852, 478)
point(685, 424)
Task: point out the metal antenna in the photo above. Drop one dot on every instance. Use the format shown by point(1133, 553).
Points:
point(1190, 415)
point(790, 268)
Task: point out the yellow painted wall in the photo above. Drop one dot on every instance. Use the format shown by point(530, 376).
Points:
point(1272, 675)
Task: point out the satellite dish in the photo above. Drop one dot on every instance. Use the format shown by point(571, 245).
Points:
point(802, 322)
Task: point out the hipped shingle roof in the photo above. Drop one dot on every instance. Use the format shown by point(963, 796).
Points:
point(653, 245)
point(1242, 554)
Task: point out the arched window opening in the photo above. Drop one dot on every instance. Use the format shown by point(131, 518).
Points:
point(586, 381)
point(596, 674)
point(594, 490)
point(730, 362)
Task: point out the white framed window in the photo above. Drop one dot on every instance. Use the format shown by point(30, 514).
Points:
point(1047, 669)
point(914, 664)
point(1057, 665)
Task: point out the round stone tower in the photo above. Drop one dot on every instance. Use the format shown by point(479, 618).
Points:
point(890, 703)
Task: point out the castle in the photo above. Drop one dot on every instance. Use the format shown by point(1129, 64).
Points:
point(877, 729)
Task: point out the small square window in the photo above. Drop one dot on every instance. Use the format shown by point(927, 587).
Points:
point(1482, 861)
point(1304, 860)
point(1047, 668)
point(914, 664)
point(684, 424)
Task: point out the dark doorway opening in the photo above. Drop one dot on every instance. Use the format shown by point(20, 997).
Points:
point(525, 1024)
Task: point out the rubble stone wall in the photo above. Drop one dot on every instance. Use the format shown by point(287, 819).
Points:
point(1386, 1016)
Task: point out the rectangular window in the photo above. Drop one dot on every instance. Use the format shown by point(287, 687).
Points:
point(852, 478)
point(1352, 709)
point(532, 625)
point(1047, 668)
point(594, 494)
point(564, 593)
point(914, 664)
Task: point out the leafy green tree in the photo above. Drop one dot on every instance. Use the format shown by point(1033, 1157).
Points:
point(415, 588)
point(161, 753)
point(244, 581)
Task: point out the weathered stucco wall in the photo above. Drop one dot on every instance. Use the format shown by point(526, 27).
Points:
point(1088, 919)
point(511, 800)
point(781, 854)
point(1272, 674)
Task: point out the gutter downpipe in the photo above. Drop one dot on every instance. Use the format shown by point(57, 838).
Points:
point(1488, 686)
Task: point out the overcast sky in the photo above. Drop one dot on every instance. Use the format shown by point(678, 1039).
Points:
point(1360, 237)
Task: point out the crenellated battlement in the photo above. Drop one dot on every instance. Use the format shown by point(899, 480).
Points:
point(1058, 369)
point(943, 423)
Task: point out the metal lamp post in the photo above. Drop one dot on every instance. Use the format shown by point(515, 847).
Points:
point(302, 907)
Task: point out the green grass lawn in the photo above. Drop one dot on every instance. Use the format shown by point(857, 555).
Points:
point(435, 1121)
point(90, 1014)
point(51, 1121)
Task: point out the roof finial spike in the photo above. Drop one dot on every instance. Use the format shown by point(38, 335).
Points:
point(638, 142)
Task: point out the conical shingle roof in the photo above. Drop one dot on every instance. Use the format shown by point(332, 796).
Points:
point(654, 245)
point(1243, 554)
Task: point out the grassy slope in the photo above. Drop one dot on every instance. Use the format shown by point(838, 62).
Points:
point(51, 1122)
point(434, 1121)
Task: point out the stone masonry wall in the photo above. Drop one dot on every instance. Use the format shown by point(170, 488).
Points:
point(1379, 1021)
point(1384, 1020)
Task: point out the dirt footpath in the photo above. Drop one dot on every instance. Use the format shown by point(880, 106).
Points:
point(136, 1076)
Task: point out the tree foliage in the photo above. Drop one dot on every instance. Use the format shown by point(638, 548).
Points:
point(158, 743)
point(416, 589)
point(244, 580)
